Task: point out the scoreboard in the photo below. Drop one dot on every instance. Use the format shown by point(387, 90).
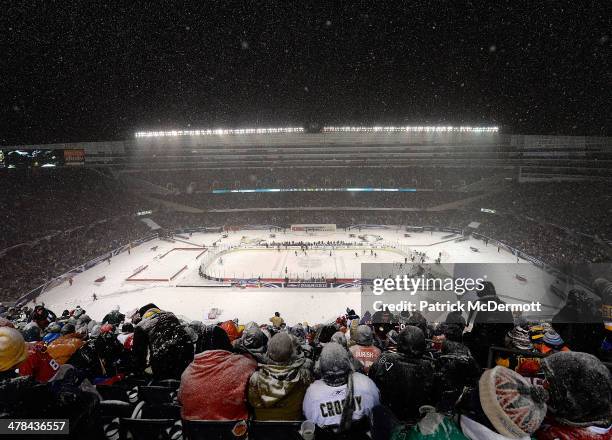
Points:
point(41, 158)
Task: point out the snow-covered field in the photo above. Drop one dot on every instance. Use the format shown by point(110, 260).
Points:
point(295, 305)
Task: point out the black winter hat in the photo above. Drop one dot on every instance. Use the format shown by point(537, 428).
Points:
point(411, 341)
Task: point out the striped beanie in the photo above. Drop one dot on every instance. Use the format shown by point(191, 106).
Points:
point(519, 339)
point(553, 338)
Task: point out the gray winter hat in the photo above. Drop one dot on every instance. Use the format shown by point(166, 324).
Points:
point(363, 335)
point(280, 348)
point(335, 364)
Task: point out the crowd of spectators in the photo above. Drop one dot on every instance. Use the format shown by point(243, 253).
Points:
point(380, 376)
point(37, 202)
point(414, 200)
point(549, 244)
point(31, 265)
point(582, 206)
point(61, 218)
point(206, 180)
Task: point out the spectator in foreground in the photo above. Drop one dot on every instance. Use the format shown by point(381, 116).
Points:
point(405, 378)
point(341, 401)
point(162, 336)
point(580, 389)
point(363, 350)
point(277, 388)
point(504, 406)
point(214, 385)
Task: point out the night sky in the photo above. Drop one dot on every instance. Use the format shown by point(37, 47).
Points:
point(88, 70)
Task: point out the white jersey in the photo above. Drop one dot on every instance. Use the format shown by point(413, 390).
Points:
point(323, 404)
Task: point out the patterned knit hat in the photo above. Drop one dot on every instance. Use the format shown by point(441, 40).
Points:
point(536, 332)
point(553, 338)
point(514, 407)
point(519, 339)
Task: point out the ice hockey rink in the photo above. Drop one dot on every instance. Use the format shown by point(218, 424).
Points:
point(167, 274)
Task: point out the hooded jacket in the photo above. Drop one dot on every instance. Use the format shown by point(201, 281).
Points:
point(455, 368)
point(405, 379)
point(276, 392)
point(580, 389)
point(165, 339)
point(214, 386)
point(253, 342)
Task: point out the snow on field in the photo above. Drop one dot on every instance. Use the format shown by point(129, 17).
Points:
point(295, 305)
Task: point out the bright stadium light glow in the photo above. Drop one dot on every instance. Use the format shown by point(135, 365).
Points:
point(415, 129)
point(345, 129)
point(218, 132)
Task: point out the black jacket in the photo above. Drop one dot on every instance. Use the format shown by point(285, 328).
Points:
point(169, 346)
point(405, 383)
point(455, 369)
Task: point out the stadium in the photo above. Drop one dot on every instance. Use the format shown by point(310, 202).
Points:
point(306, 221)
point(172, 209)
point(228, 226)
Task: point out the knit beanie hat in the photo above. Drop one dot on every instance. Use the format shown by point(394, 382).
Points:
point(580, 388)
point(280, 348)
point(335, 364)
point(514, 407)
point(13, 349)
point(553, 338)
point(536, 333)
point(519, 338)
point(151, 313)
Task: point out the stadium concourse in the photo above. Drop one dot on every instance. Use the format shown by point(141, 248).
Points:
point(168, 272)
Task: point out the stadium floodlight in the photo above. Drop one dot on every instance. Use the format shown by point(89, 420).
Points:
point(344, 129)
point(415, 129)
point(218, 132)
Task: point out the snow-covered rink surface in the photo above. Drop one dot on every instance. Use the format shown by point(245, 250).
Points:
point(190, 296)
